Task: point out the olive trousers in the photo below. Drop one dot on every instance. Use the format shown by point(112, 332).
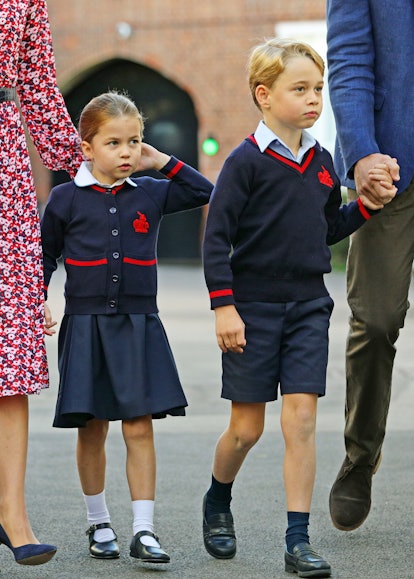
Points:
point(379, 272)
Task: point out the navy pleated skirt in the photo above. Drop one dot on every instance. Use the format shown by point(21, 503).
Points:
point(115, 367)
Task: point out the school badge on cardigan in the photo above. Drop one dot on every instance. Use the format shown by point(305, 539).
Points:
point(325, 177)
point(141, 224)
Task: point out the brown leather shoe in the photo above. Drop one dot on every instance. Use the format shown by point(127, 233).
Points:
point(350, 497)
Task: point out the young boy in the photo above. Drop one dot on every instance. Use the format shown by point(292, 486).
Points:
point(273, 213)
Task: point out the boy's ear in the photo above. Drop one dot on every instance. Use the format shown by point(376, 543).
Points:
point(87, 149)
point(261, 94)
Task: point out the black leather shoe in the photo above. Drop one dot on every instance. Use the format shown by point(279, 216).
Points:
point(106, 550)
point(146, 553)
point(219, 536)
point(350, 496)
point(306, 562)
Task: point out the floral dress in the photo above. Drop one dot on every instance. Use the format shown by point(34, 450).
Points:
point(26, 63)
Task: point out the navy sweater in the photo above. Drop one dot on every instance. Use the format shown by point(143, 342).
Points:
point(270, 223)
point(108, 238)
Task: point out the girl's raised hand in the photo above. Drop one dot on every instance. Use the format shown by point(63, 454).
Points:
point(151, 158)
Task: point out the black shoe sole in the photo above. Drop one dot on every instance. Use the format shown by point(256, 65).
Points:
point(216, 556)
point(104, 557)
point(314, 573)
point(149, 560)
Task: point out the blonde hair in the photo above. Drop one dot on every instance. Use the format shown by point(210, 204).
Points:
point(269, 59)
point(104, 107)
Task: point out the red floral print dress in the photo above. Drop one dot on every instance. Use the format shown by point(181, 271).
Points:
point(26, 63)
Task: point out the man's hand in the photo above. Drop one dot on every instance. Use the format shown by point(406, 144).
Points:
point(374, 192)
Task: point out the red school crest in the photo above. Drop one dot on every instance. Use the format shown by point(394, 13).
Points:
point(141, 224)
point(325, 177)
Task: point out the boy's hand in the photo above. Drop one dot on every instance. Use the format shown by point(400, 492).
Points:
point(372, 192)
point(381, 173)
point(229, 329)
point(49, 323)
point(151, 158)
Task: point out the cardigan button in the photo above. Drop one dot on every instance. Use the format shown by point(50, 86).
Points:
point(114, 232)
point(115, 255)
point(115, 278)
point(112, 303)
point(112, 210)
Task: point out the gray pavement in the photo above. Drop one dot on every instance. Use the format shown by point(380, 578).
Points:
point(381, 548)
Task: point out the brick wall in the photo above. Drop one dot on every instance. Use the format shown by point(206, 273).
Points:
point(203, 47)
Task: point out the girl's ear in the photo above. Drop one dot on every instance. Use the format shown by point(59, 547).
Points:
point(261, 94)
point(87, 149)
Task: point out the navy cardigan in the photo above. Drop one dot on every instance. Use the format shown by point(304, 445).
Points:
point(108, 238)
point(270, 223)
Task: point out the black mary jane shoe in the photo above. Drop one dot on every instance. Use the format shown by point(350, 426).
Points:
point(146, 553)
point(219, 535)
point(306, 562)
point(105, 550)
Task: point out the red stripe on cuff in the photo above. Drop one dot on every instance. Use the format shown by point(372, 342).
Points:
point(221, 293)
point(363, 209)
point(175, 169)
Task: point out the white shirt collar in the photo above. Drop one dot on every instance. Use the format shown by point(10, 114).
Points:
point(84, 178)
point(265, 136)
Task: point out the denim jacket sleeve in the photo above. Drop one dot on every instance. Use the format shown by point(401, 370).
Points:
point(352, 79)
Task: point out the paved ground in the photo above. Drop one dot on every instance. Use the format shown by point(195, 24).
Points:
point(381, 549)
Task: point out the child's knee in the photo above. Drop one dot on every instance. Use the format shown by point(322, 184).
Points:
point(95, 430)
point(246, 424)
point(138, 429)
point(300, 420)
point(247, 437)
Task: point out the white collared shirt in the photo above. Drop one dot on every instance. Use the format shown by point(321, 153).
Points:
point(265, 137)
point(84, 178)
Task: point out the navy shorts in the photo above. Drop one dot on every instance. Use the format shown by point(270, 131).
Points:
point(287, 346)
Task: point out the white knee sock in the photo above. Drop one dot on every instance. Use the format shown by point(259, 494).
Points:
point(143, 512)
point(97, 512)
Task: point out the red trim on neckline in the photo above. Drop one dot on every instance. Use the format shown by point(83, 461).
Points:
point(114, 190)
point(298, 167)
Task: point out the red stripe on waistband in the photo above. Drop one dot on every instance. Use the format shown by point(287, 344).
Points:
point(86, 263)
point(140, 261)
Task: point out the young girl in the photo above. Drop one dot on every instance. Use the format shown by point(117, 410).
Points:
point(115, 362)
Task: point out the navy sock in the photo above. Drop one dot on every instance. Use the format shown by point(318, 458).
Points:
point(218, 498)
point(297, 530)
